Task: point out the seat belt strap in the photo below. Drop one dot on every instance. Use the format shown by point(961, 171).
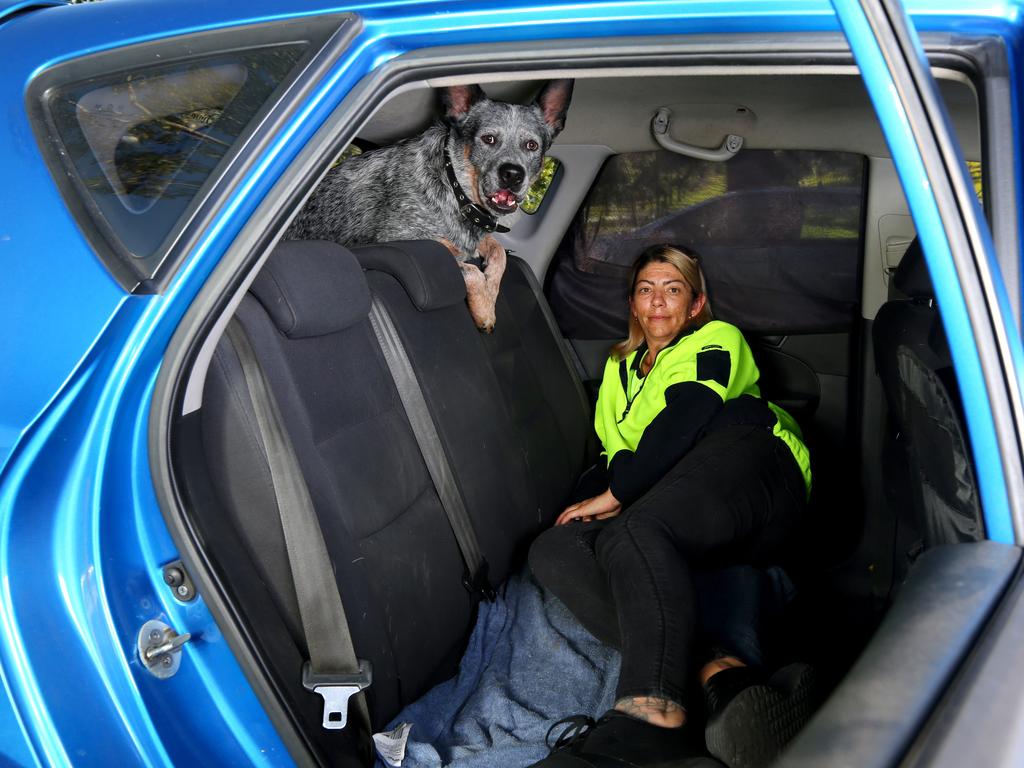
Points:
point(333, 671)
point(423, 427)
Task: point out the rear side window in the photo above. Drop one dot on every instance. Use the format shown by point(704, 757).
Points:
point(778, 232)
point(535, 195)
point(136, 136)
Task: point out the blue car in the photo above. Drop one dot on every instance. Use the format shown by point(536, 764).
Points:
point(224, 538)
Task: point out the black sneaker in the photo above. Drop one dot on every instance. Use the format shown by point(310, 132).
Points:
point(618, 740)
point(750, 719)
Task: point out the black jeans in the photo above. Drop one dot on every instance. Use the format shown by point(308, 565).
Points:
point(733, 499)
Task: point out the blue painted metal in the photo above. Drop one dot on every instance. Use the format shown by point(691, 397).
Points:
point(80, 532)
point(909, 164)
point(11, 8)
point(1001, 19)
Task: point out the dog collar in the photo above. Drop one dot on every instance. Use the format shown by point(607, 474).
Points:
point(472, 212)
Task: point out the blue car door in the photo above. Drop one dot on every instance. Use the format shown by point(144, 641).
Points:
point(140, 142)
point(931, 687)
point(958, 245)
point(88, 562)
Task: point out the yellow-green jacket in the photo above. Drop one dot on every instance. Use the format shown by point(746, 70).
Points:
point(647, 423)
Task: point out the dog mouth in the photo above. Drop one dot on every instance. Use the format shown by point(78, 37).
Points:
point(503, 201)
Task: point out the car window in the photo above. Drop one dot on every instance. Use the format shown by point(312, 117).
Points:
point(136, 146)
point(778, 232)
point(536, 193)
point(974, 169)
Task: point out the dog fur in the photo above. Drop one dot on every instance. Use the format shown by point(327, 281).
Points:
point(402, 192)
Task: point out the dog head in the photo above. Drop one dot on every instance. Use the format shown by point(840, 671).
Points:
point(505, 143)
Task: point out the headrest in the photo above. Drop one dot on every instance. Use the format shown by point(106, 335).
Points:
point(911, 275)
point(312, 288)
point(425, 268)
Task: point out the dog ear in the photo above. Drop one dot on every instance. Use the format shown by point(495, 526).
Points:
point(458, 99)
point(553, 101)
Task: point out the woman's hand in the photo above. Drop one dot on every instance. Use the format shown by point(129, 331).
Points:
point(597, 508)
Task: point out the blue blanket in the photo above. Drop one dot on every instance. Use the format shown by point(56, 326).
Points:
point(529, 663)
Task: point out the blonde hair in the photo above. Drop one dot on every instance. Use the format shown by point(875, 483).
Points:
point(687, 264)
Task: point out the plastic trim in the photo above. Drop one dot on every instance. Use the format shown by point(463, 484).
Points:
point(980, 719)
point(880, 705)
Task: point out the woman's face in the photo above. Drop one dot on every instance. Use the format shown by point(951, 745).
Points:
point(663, 303)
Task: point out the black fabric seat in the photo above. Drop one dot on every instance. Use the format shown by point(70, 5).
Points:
point(395, 557)
point(508, 411)
point(545, 398)
point(422, 290)
point(916, 370)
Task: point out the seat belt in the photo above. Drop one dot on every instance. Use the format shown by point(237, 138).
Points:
point(333, 671)
point(475, 579)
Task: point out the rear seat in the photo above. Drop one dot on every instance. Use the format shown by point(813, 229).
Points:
point(513, 424)
point(546, 400)
point(511, 416)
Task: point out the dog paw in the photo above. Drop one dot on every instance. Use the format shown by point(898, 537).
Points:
point(479, 297)
point(489, 248)
point(494, 258)
point(472, 274)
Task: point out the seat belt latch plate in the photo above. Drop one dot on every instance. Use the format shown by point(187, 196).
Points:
point(336, 690)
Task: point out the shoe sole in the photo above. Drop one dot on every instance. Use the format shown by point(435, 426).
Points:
point(754, 727)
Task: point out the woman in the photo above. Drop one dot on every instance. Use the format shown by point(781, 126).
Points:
point(700, 472)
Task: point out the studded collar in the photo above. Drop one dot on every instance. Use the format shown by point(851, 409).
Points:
point(474, 213)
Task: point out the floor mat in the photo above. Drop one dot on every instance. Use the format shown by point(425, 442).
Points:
point(529, 663)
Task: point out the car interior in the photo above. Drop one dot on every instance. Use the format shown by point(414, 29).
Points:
point(809, 248)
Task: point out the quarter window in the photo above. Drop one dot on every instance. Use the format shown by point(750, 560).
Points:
point(540, 187)
point(133, 145)
point(142, 143)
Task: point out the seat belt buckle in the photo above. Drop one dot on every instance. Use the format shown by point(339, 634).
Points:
point(479, 584)
point(336, 690)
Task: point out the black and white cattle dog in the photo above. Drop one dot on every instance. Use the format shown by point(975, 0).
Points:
point(457, 182)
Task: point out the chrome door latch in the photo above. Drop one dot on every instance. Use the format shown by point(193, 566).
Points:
point(160, 648)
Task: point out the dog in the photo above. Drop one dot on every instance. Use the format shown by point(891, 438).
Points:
point(457, 182)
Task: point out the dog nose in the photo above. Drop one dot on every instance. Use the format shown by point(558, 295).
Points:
point(511, 175)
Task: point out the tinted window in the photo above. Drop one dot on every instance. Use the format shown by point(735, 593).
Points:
point(139, 145)
point(535, 195)
point(778, 233)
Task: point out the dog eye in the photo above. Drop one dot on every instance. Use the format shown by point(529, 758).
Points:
point(532, 145)
point(488, 139)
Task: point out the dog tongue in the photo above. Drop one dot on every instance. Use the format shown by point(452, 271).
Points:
point(504, 198)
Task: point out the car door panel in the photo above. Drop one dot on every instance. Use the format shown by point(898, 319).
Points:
point(874, 715)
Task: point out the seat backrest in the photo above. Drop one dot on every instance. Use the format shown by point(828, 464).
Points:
point(506, 406)
point(541, 387)
point(396, 560)
point(421, 288)
point(509, 413)
point(916, 370)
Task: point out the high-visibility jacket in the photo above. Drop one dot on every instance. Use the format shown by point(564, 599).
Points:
point(648, 423)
